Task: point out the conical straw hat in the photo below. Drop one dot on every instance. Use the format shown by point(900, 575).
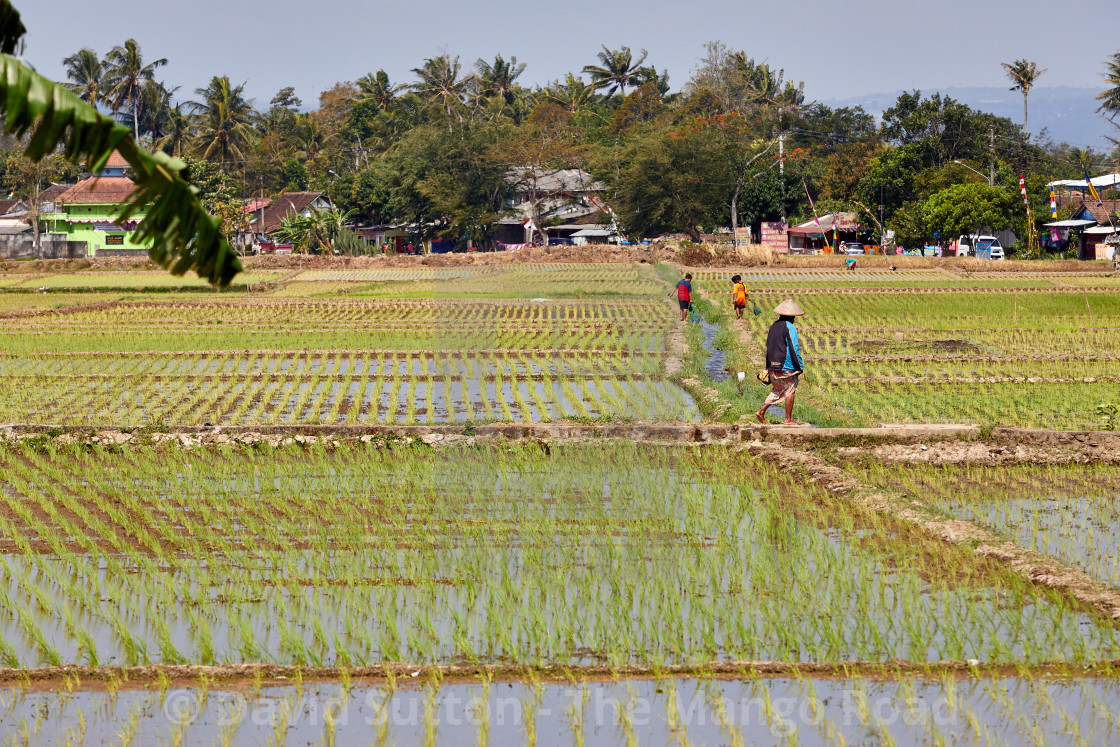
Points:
point(789, 307)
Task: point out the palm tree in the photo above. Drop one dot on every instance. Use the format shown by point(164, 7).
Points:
point(308, 137)
point(497, 78)
point(573, 94)
point(126, 73)
point(440, 82)
point(1084, 159)
point(1110, 99)
point(1022, 75)
point(155, 109)
point(225, 121)
point(86, 73)
point(178, 132)
point(390, 127)
point(617, 69)
point(660, 82)
point(377, 88)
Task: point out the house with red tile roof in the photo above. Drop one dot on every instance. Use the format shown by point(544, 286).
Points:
point(87, 211)
point(1098, 225)
point(266, 213)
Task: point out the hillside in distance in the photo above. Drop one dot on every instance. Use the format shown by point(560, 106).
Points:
point(1068, 114)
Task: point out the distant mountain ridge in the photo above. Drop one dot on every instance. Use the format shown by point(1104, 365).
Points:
point(1068, 113)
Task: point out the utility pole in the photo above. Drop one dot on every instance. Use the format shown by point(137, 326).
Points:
point(782, 162)
point(991, 155)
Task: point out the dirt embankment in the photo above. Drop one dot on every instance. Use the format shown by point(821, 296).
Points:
point(533, 255)
point(1033, 566)
point(52, 266)
point(977, 452)
point(695, 256)
point(406, 675)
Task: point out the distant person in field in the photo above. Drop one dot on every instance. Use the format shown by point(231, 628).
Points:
point(684, 295)
point(850, 264)
point(783, 361)
point(738, 295)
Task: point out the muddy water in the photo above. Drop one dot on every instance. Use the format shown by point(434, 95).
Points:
point(769, 711)
point(717, 359)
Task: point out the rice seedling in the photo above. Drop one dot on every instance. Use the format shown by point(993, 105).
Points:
point(1068, 511)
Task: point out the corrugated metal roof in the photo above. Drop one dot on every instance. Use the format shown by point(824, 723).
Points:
point(1070, 223)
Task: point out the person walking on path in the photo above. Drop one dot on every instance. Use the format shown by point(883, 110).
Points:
point(684, 296)
point(738, 295)
point(783, 360)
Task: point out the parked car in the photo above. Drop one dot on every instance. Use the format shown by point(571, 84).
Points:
point(991, 243)
point(986, 244)
point(851, 248)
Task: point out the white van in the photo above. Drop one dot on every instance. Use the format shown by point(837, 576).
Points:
point(986, 247)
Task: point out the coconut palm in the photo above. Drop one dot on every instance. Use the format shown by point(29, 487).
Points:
point(1110, 99)
point(377, 88)
point(86, 74)
point(1085, 159)
point(1022, 75)
point(309, 137)
point(155, 109)
point(573, 94)
point(497, 78)
point(660, 82)
point(770, 88)
point(440, 82)
point(225, 121)
point(390, 127)
point(617, 69)
point(125, 73)
point(178, 132)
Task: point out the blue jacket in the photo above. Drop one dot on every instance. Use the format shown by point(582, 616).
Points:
point(780, 356)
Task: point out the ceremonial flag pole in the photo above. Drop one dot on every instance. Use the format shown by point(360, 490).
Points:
point(816, 218)
point(1092, 189)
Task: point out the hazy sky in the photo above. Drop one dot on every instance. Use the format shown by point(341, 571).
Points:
point(840, 49)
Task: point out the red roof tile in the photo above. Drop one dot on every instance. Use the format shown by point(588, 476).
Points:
point(99, 190)
point(289, 203)
point(53, 192)
point(1100, 213)
point(12, 205)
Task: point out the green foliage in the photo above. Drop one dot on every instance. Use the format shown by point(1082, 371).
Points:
point(296, 175)
point(968, 208)
point(445, 185)
point(910, 228)
point(662, 184)
point(890, 180)
point(211, 184)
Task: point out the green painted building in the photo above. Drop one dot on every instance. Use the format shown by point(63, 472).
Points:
point(87, 211)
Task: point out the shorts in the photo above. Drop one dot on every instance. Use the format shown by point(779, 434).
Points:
point(740, 306)
point(684, 304)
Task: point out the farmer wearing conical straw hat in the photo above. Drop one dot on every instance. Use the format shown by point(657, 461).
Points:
point(783, 360)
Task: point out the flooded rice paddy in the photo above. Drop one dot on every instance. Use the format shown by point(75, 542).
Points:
point(360, 555)
point(760, 711)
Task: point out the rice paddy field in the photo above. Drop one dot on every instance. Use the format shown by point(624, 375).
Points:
point(1042, 357)
point(381, 589)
